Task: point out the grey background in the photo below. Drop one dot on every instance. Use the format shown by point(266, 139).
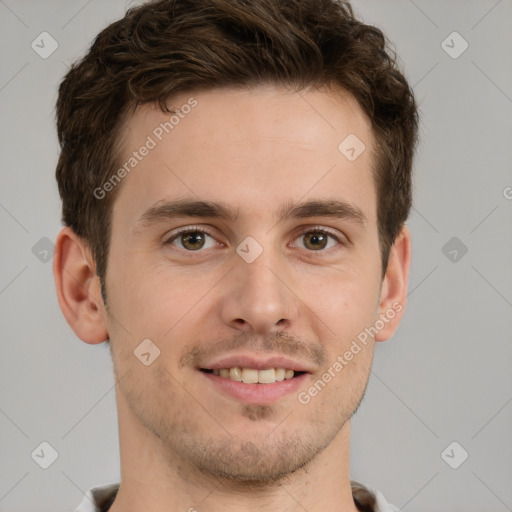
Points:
point(444, 377)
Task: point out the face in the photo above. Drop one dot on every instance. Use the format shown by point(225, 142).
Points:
point(276, 265)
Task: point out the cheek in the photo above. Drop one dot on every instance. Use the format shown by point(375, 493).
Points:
point(346, 303)
point(154, 300)
point(339, 387)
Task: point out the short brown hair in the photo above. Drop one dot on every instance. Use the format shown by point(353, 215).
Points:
point(166, 47)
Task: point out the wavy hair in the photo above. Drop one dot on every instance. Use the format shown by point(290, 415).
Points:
point(164, 47)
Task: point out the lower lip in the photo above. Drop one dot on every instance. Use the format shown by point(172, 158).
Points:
point(256, 393)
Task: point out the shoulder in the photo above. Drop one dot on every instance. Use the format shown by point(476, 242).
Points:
point(382, 503)
point(99, 499)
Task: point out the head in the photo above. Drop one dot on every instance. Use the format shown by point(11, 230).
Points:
point(163, 48)
point(242, 108)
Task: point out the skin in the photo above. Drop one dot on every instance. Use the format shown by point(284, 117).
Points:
point(185, 444)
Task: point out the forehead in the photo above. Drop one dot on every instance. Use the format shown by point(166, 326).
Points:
point(252, 148)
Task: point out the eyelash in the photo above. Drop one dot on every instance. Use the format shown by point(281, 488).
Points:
point(302, 233)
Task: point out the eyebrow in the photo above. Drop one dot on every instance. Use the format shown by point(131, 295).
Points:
point(216, 210)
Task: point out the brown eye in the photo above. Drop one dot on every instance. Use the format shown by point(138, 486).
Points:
point(192, 240)
point(315, 240)
point(318, 240)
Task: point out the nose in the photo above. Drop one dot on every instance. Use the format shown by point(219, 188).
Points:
point(258, 298)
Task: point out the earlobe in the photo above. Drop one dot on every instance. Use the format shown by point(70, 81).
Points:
point(394, 287)
point(78, 288)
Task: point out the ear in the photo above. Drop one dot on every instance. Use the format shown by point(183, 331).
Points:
point(78, 288)
point(393, 295)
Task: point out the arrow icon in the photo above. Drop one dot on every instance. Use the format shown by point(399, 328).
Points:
point(43, 250)
point(454, 455)
point(351, 147)
point(249, 252)
point(454, 249)
point(44, 45)
point(146, 352)
point(454, 45)
point(44, 455)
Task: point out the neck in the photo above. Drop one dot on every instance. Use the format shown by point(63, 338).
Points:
point(154, 479)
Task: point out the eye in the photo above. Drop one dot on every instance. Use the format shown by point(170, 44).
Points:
point(192, 239)
point(195, 239)
point(317, 239)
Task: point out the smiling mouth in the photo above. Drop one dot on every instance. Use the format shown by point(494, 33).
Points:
point(254, 376)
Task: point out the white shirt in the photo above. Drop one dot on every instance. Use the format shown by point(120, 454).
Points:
point(99, 499)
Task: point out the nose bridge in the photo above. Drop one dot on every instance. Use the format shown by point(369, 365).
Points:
point(258, 298)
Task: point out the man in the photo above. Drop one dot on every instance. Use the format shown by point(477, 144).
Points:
point(235, 179)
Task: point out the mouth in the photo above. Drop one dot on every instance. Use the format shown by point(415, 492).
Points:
point(253, 375)
point(253, 380)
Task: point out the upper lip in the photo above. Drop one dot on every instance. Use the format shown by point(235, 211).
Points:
point(261, 362)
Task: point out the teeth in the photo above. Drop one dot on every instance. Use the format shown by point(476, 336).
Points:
point(249, 376)
point(267, 376)
point(235, 374)
point(253, 376)
point(280, 374)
